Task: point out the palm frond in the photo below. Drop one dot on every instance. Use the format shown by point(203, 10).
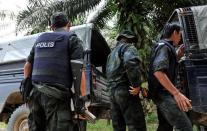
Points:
point(7, 13)
point(39, 16)
point(163, 9)
point(103, 14)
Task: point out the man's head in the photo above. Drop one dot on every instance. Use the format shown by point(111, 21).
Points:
point(59, 20)
point(127, 36)
point(172, 31)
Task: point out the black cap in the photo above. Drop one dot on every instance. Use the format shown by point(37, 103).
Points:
point(59, 19)
point(127, 34)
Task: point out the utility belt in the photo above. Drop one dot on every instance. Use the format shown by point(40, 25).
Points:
point(54, 91)
point(119, 85)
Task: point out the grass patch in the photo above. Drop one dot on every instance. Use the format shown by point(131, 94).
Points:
point(2, 125)
point(151, 117)
point(103, 125)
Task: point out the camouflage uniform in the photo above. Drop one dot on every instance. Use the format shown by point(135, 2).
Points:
point(123, 71)
point(48, 112)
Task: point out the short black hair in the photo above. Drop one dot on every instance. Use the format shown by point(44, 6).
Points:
point(169, 29)
point(59, 19)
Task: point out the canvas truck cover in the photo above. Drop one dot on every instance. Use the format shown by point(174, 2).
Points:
point(200, 17)
point(18, 49)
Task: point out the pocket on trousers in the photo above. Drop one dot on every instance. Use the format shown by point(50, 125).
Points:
point(63, 120)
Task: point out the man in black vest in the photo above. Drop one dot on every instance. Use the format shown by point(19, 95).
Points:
point(171, 103)
point(49, 67)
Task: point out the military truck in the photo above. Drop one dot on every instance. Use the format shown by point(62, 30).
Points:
point(13, 53)
point(192, 76)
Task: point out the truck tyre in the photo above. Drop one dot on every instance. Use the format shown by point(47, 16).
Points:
point(18, 120)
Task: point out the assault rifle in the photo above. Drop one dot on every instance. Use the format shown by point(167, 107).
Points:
point(82, 89)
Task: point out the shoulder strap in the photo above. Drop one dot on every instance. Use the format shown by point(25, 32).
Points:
point(155, 49)
point(159, 45)
point(168, 45)
point(122, 49)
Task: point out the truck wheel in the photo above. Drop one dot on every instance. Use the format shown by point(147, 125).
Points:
point(18, 120)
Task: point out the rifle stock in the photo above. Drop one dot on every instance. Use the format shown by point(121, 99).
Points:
point(89, 116)
point(80, 99)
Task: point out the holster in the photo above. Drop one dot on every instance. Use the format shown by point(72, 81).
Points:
point(25, 88)
point(64, 95)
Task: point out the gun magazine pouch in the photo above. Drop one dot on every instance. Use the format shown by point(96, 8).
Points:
point(25, 88)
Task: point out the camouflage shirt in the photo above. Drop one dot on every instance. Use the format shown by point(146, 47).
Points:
point(122, 66)
point(76, 48)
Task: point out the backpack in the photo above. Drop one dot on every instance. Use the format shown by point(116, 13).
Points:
point(115, 59)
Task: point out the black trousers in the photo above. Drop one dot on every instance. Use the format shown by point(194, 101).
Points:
point(170, 114)
point(126, 111)
point(49, 114)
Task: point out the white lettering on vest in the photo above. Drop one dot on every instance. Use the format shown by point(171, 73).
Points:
point(45, 44)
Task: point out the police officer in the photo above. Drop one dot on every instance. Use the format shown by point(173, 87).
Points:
point(171, 103)
point(123, 74)
point(48, 64)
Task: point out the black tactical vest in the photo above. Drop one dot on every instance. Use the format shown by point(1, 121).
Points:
point(154, 84)
point(52, 59)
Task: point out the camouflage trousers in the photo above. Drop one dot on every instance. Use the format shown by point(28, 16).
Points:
point(49, 114)
point(170, 114)
point(126, 111)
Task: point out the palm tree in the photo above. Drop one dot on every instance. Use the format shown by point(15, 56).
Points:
point(143, 17)
point(7, 13)
point(6, 18)
point(140, 16)
point(38, 12)
point(162, 9)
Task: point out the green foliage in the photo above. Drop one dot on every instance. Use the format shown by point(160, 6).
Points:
point(162, 9)
point(101, 125)
point(104, 15)
point(2, 125)
point(145, 18)
point(151, 117)
point(37, 15)
point(104, 125)
point(133, 15)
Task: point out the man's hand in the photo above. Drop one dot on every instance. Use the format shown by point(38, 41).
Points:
point(180, 51)
point(134, 90)
point(183, 102)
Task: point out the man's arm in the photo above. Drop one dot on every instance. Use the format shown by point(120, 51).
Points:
point(164, 80)
point(27, 69)
point(182, 101)
point(76, 48)
point(160, 64)
point(132, 67)
point(28, 64)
